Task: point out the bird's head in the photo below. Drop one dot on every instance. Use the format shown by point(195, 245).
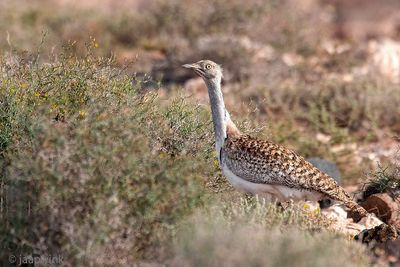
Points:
point(206, 69)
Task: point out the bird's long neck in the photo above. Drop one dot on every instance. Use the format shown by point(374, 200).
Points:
point(220, 115)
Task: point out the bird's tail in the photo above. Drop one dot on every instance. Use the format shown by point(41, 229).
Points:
point(339, 194)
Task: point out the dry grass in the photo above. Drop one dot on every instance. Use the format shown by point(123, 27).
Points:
point(100, 169)
point(254, 234)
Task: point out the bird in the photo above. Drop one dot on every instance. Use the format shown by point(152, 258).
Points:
point(262, 167)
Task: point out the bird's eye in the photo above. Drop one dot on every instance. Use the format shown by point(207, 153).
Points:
point(208, 66)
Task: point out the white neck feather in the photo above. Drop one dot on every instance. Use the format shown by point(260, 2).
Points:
point(220, 115)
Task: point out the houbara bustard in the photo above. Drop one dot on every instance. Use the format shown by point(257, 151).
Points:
point(261, 167)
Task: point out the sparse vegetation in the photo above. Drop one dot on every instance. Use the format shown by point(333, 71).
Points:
point(98, 167)
point(384, 180)
point(261, 235)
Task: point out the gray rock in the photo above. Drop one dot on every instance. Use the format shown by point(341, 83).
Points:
point(327, 166)
point(330, 168)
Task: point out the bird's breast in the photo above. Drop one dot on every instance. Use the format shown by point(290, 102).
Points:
point(275, 191)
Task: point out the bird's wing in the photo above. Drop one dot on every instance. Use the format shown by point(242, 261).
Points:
point(260, 161)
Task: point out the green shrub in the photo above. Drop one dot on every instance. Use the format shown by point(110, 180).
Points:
point(384, 180)
point(91, 166)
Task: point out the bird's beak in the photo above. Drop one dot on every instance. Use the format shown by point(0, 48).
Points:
point(190, 66)
point(196, 67)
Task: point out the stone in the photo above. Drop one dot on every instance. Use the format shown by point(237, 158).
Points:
point(385, 207)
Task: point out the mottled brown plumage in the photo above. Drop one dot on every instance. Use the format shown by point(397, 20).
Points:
point(264, 162)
